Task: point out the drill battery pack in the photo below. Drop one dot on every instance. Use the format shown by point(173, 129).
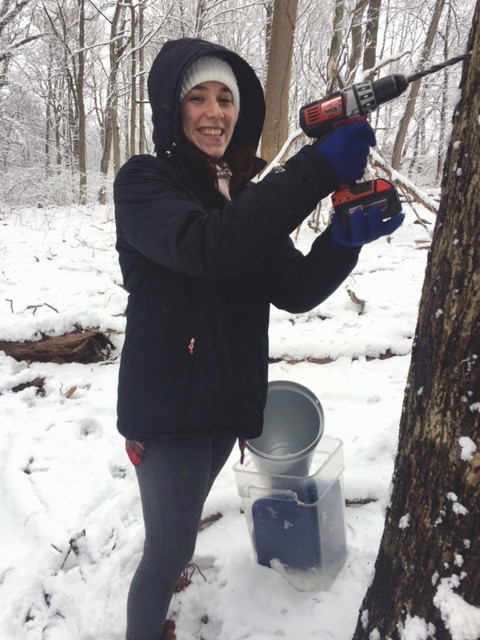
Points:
point(360, 196)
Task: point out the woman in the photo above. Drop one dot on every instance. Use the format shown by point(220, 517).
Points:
point(203, 253)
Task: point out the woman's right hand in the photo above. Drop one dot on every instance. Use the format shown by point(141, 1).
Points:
point(347, 149)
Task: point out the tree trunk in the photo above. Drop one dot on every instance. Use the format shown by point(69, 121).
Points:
point(117, 156)
point(335, 47)
point(412, 98)
point(357, 40)
point(199, 18)
point(387, 14)
point(70, 109)
point(141, 79)
point(111, 104)
point(429, 557)
point(48, 118)
point(371, 34)
point(133, 92)
point(268, 28)
point(80, 80)
point(181, 11)
point(415, 152)
point(4, 60)
point(444, 101)
point(71, 124)
point(277, 89)
point(126, 126)
point(58, 138)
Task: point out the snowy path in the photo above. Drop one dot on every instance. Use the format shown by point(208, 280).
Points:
point(70, 521)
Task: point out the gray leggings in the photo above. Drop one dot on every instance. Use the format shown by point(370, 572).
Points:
point(174, 478)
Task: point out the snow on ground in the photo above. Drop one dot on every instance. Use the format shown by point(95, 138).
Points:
point(70, 517)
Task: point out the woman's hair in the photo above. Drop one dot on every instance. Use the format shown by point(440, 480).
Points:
point(239, 156)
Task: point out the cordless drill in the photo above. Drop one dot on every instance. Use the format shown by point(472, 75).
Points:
point(353, 103)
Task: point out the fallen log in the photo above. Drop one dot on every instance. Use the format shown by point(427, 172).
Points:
point(310, 360)
point(386, 355)
point(83, 346)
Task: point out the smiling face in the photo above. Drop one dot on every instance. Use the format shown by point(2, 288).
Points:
point(208, 117)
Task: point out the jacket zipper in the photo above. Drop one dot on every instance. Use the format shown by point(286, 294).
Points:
point(191, 346)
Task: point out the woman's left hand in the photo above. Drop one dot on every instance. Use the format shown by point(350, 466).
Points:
point(364, 227)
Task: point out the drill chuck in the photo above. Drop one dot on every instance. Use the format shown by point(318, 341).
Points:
point(389, 87)
point(364, 97)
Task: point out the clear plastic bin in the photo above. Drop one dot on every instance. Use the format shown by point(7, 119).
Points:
point(297, 524)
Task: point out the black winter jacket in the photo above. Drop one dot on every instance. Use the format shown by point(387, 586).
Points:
point(201, 271)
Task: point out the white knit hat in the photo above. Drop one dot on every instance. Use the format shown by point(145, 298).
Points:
point(210, 68)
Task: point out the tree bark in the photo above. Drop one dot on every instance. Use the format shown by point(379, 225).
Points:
point(430, 550)
point(277, 89)
point(412, 98)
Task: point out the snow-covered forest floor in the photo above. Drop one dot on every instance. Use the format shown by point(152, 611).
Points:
point(70, 517)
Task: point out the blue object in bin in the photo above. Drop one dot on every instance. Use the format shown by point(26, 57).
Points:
point(286, 531)
point(290, 532)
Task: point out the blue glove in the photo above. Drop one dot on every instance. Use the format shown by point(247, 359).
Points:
point(347, 149)
point(364, 227)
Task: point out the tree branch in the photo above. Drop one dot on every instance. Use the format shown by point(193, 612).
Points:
point(16, 45)
point(276, 162)
point(370, 73)
point(403, 183)
point(10, 15)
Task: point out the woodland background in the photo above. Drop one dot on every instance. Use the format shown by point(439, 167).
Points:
point(73, 103)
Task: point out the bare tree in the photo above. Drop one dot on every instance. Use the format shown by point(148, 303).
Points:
point(278, 78)
point(133, 80)
point(429, 558)
point(15, 30)
point(141, 77)
point(444, 98)
point(371, 34)
point(413, 95)
point(80, 145)
point(333, 57)
point(110, 135)
point(358, 43)
point(68, 25)
point(199, 17)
